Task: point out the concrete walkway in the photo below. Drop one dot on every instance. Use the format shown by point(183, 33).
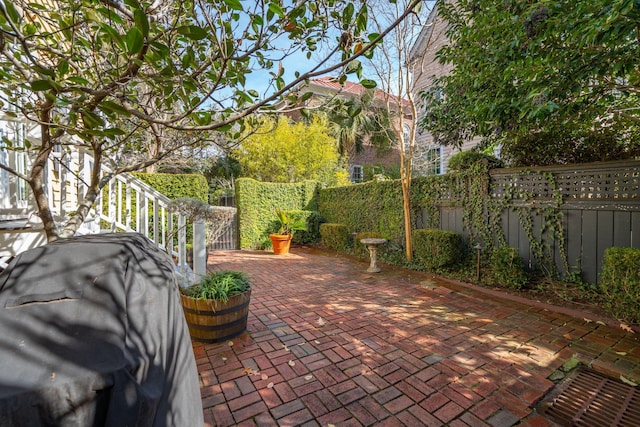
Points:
point(330, 344)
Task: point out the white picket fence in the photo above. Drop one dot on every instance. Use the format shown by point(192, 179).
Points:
point(125, 205)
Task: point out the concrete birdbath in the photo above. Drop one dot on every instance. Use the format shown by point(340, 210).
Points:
point(372, 244)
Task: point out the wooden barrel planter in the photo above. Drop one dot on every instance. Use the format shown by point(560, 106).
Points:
point(214, 321)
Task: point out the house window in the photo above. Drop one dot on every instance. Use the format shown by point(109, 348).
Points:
point(16, 159)
point(357, 174)
point(433, 160)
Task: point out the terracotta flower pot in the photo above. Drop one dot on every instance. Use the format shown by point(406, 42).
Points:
point(281, 243)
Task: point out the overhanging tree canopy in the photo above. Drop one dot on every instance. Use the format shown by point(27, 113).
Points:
point(526, 67)
point(104, 71)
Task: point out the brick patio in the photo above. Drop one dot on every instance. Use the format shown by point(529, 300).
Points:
point(330, 344)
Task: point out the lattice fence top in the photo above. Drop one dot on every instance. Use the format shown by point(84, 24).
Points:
point(610, 182)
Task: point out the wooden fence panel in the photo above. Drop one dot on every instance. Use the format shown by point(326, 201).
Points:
point(573, 231)
point(513, 230)
point(459, 222)
point(604, 236)
point(589, 245)
point(622, 229)
point(635, 229)
point(600, 206)
point(451, 220)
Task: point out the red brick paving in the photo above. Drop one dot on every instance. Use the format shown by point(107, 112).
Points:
point(329, 343)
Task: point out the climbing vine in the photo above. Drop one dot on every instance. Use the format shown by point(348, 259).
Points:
point(484, 199)
point(528, 205)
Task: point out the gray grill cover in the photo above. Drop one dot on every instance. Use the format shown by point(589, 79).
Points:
point(92, 334)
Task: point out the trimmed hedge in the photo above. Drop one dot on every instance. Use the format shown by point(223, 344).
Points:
point(620, 283)
point(257, 201)
point(377, 205)
point(335, 236)
point(507, 268)
point(372, 206)
point(177, 185)
point(435, 249)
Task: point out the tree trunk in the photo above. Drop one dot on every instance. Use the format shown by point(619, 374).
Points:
point(36, 180)
point(406, 208)
point(96, 185)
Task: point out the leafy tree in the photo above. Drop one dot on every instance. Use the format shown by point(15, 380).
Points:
point(526, 70)
point(96, 74)
point(398, 73)
point(221, 173)
point(356, 121)
point(277, 150)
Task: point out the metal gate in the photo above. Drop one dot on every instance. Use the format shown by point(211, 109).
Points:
point(223, 232)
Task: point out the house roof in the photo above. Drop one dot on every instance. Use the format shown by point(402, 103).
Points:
point(349, 87)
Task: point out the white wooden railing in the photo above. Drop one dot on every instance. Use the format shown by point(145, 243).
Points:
point(126, 204)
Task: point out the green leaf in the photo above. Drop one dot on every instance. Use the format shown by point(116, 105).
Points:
point(369, 84)
point(234, 4)
point(63, 67)
point(257, 20)
point(46, 71)
point(132, 3)
point(78, 80)
point(135, 41)
point(362, 19)
point(347, 15)
point(61, 102)
point(276, 9)
point(12, 12)
point(114, 35)
point(113, 132)
point(42, 85)
point(243, 97)
point(30, 29)
point(91, 119)
point(142, 21)
point(353, 67)
point(110, 107)
point(193, 32)
point(38, 6)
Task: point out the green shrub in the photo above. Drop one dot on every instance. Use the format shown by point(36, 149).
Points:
point(507, 268)
point(435, 249)
point(620, 283)
point(313, 220)
point(361, 250)
point(177, 185)
point(335, 236)
point(465, 159)
point(219, 285)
